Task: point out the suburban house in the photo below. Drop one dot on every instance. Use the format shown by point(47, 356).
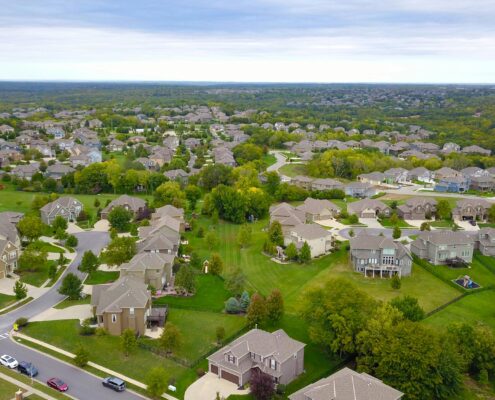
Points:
point(359, 190)
point(347, 384)
point(319, 239)
point(154, 269)
point(484, 241)
point(368, 208)
point(471, 210)
point(275, 354)
point(57, 171)
point(9, 247)
point(420, 174)
point(302, 181)
point(67, 207)
point(445, 172)
point(417, 208)
point(288, 216)
point(177, 175)
point(123, 304)
point(453, 184)
point(379, 256)
point(116, 145)
point(133, 204)
point(484, 183)
point(26, 171)
point(373, 178)
point(441, 247)
point(318, 210)
point(475, 149)
point(397, 175)
point(326, 184)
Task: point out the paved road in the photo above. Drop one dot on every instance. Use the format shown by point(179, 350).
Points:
point(82, 385)
point(414, 191)
point(281, 161)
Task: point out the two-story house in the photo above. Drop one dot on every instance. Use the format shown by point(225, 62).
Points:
point(123, 304)
point(154, 269)
point(471, 210)
point(417, 208)
point(275, 354)
point(133, 204)
point(66, 207)
point(320, 240)
point(484, 241)
point(442, 247)
point(379, 256)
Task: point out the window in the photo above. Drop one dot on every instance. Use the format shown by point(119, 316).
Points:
point(114, 318)
point(388, 260)
point(388, 252)
point(131, 310)
point(231, 359)
point(273, 364)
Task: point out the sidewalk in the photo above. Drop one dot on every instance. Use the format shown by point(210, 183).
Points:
point(29, 389)
point(90, 363)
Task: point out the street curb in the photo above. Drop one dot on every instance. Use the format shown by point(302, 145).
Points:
point(66, 363)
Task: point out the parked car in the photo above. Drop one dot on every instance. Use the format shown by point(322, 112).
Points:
point(27, 368)
point(57, 384)
point(8, 361)
point(472, 222)
point(114, 383)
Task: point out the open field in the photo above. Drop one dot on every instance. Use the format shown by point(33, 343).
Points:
point(293, 170)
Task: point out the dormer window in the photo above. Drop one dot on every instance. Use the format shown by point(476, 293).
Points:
point(273, 364)
point(231, 359)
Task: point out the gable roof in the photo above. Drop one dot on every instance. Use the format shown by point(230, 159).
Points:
point(316, 206)
point(310, 231)
point(347, 384)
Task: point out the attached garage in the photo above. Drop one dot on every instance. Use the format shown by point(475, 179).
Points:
point(230, 377)
point(214, 369)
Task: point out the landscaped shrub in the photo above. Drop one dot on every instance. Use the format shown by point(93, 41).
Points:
point(232, 306)
point(21, 322)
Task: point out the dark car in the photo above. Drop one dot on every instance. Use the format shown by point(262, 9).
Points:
point(27, 368)
point(114, 383)
point(472, 222)
point(57, 384)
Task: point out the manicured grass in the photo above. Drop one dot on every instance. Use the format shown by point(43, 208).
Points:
point(6, 300)
point(103, 350)
point(210, 295)
point(37, 385)
point(421, 284)
point(198, 330)
point(44, 246)
point(293, 170)
point(101, 277)
point(442, 224)
point(478, 272)
point(16, 305)
point(269, 159)
point(388, 224)
point(346, 221)
point(7, 390)
point(486, 225)
point(474, 308)
point(263, 275)
point(69, 303)
point(38, 277)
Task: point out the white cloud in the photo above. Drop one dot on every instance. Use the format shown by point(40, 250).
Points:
point(329, 55)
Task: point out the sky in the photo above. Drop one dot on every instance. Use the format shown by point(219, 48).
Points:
point(411, 41)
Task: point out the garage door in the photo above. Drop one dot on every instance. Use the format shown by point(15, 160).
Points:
point(214, 369)
point(230, 377)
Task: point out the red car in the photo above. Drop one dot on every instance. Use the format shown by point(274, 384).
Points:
point(57, 384)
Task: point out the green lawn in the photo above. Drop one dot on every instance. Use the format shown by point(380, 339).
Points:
point(103, 350)
point(210, 296)
point(442, 224)
point(7, 390)
point(477, 307)
point(486, 225)
point(69, 303)
point(198, 330)
point(101, 277)
point(44, 246)
point(388, 224)
point(478, 271)
point(38, 277)
point(269, 159)
point(6, 300)
point(293, 170)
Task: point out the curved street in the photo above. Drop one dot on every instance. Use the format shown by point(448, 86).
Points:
point(82, 385)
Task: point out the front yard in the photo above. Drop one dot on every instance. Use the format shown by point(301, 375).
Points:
point(6, 300)
point(38, 277)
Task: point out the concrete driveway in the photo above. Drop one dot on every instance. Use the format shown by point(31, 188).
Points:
point(102, 226)
point(467, 226)
point(371, 223)
point(206, 388)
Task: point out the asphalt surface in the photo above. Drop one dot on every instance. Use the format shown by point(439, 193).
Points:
point(375, 231)
point(82, 385)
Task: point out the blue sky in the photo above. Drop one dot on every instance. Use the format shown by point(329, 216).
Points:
point(257, 40)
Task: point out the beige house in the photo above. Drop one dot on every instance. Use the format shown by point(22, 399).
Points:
point(275, 354)
point(318, 210)
point(368, 208)
point(417, 208)
point(347, 384)
point(320, 240)
point(123, 304)
point(133, 204)
point(154, 269)
point(288, 216)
